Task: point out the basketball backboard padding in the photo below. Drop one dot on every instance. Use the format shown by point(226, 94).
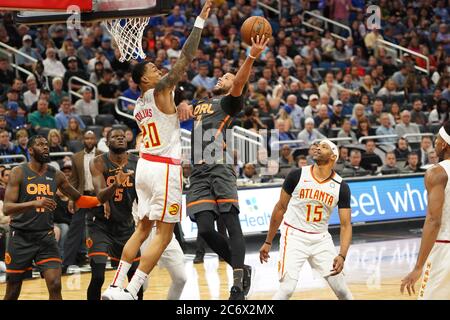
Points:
point(101, 10)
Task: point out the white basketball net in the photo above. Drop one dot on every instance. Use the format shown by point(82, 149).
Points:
point(127, 34)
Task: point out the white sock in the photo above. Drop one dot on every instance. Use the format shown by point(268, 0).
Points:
point(121, 274)
point(136, 282)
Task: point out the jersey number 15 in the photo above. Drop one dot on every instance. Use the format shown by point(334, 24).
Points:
point(316, 213)
point(150, 136)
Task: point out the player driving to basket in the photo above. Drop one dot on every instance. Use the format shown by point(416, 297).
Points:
point(158, 172)
point(308, 197)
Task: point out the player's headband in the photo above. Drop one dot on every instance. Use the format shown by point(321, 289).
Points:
point(444, 135)
point(333, 148)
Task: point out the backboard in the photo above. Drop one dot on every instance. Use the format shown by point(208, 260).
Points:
point(59, 11)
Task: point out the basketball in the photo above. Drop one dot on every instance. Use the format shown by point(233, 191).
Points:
point(254, 26)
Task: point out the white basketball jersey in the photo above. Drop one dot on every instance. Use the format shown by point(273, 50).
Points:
point(313, 202)
point(444, 231)
point(161, 135)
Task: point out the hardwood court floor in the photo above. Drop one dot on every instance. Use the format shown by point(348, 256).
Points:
point(373, 271)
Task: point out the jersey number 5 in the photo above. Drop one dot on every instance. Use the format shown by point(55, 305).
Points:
point(150, 136)
point(318, 210)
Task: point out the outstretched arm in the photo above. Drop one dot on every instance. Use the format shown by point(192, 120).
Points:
point(435, 183)
point(258, 46)
point(169, 81)
point(233, 103)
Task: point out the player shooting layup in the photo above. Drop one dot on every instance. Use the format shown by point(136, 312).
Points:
point(435, 245)
point(308, 197)
point(158, 172)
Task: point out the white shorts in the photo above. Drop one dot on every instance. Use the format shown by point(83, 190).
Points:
point(436, 276)
point(159, 188)
point(296, 247)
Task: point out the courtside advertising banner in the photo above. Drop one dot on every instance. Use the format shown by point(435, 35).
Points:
point(372, 201)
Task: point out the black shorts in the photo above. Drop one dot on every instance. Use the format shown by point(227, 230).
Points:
point(25, 247)
point(107, 239)
point(213, 188)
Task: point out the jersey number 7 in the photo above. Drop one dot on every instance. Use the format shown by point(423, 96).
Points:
point(150, 136)
point(318, 210)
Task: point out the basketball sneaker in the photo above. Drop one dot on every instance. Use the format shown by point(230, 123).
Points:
point(247, 279)
point(116, 293)
point(236, 293)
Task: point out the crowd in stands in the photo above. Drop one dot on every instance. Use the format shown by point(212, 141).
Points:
point(308, 84)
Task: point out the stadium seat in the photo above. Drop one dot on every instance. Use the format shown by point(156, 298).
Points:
point(75, 146)
point(434, 128)
point(413, 96)
point(87, 120)
point(120, 126)
point(105, 120)
point(96, 129)
point(43, 131)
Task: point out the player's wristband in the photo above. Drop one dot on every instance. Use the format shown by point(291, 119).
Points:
point(199, 23)
point(251, 57)
point(86, 202)
point(340, 255)
point(268, 243)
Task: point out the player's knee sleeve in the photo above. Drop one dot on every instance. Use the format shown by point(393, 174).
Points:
point(339, 287)
point(179, 279)
point(286, 289)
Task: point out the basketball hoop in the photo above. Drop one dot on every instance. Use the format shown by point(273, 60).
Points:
point(127, 34)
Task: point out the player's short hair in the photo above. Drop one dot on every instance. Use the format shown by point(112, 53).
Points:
point(32, 140)
point(138, 72)
point(108, 135)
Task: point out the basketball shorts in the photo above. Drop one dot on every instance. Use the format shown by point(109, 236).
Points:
point(213, 188)
point(159, 188)
point(296, 247)
point(436, 276)
point(25, 247)
point(107, 238)
point(172, 256)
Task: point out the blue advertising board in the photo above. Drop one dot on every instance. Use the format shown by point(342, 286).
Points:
point(371, 201)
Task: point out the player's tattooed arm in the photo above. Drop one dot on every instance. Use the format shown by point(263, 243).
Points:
point(12, 206)
point(169, 81)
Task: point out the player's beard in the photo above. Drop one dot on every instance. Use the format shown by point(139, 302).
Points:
point(118, 150)
point(42, 158)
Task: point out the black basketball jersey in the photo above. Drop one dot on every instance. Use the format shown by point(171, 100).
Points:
point(34, 187)
point(121, 203)
point(211, 119)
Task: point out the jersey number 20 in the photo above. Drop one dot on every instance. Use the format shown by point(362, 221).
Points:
point(150, 136)
point(317, 213)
